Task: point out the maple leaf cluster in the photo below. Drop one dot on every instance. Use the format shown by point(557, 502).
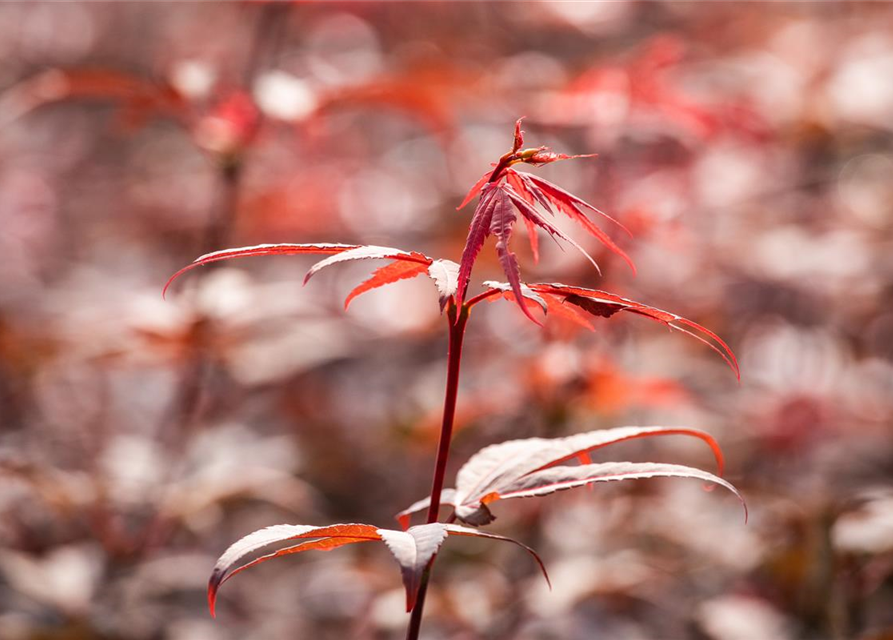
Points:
point(505, 190)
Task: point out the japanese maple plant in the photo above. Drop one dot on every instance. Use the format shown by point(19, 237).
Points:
point(513, 469)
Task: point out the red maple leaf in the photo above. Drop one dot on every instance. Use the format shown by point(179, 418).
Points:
point(504, 191)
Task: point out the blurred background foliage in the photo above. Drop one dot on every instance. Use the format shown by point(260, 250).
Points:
point(748, 146)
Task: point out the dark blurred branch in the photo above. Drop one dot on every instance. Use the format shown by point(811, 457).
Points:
point(194, 391)
point(268, 33)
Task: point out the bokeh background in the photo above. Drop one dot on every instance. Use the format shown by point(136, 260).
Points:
point(749, 148)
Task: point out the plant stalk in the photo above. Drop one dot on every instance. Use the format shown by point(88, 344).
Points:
point(457, 319)
point(454, 357)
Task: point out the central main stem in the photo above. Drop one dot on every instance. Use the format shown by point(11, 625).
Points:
point(454, 358)
point(457, 319)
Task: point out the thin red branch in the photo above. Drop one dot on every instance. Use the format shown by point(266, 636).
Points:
point(457, 319)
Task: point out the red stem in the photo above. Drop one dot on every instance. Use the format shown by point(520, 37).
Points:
point(457, 321)
point(458, 318)
point(454, 357)
point(504, 162)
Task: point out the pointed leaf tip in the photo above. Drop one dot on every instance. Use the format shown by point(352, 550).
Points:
point(213, 585)
point(413, 549)
point(476, 533)
point(170, 280)
point(321, 538)
point(552, 479)
point(518, 142)
point(259, 250)
point(475, 190)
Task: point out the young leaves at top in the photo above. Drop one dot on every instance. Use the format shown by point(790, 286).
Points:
point(535, 190)
point(406, 264)
point(413, 549)
point(533, 467)
point(504, 189)
point(501, 220)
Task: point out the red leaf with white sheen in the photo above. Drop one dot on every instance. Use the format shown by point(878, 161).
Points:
point(368, 252)
point(498, 471)
point(552, 479)
point(526, 291)
point(604, 304)
point(338, 534)
point(445, 274)
point(261, 250)
point(413, 549)
point(407, 264)
point(387, 274)
point(492, 465)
